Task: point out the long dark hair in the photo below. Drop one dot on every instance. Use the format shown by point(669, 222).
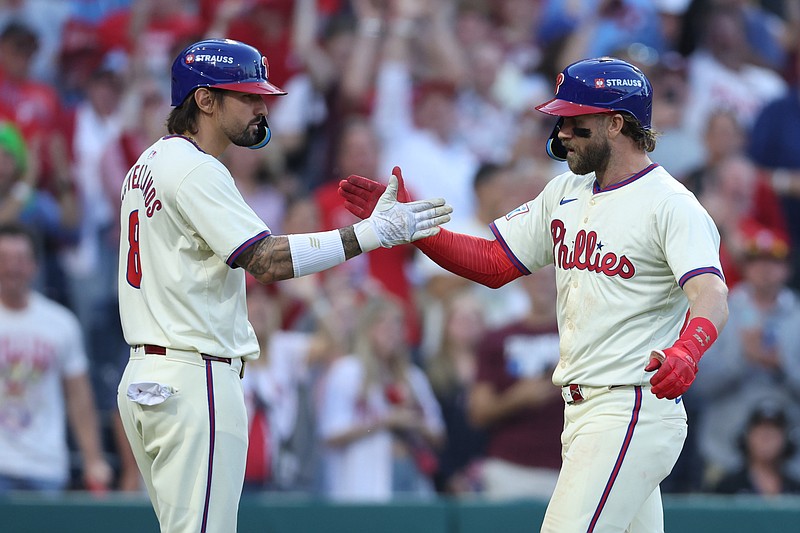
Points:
point(183, 119)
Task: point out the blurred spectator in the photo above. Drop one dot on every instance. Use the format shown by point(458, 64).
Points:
point(149, 31)
point(739, 198)
point(605, 26)
point(43, 382)
point(265, 24)
point(528, 158)
point(670, 15)
point(54, 219)
point(48, 29)
point(722, 76)
point(142, 113)
point(259, 185)
point(356, 152)
point(415, 107)
point(91, 263)
point(515, 402)
point(775, 146)
point(485, 121)
point(336, 57)
point(32, 105)
point(766, 445)
point(277, 396)
point(378, 416)
point(451, 370)
point(496, 189)
point(723, 137)
point(765, 31)
point(755, 358)
point(678, 153)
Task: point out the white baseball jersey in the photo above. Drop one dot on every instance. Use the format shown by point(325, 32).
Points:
point(622, 255)
point(183, 223)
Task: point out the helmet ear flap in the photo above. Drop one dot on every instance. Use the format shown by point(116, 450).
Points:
point(264, 135)
point(554, 147)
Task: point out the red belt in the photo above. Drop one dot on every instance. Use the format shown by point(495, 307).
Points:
point(160, 350)
point(575, 393)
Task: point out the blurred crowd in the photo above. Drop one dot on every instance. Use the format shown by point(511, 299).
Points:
point(389, 376)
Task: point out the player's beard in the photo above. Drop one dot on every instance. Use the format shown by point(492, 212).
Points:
point(594, 158)
point(248, 137)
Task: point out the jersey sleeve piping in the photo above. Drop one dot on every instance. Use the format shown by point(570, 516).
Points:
point(231, 262)
point(513, 258)
point(697, 271)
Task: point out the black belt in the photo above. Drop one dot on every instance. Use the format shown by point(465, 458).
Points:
point(160, 350)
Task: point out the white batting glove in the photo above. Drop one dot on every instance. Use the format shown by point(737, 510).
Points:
point(392, 222)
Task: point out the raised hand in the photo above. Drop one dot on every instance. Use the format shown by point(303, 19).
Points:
point(361, 194)
point(393, 222)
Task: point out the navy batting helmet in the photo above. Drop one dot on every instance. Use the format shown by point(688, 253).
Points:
point(598, 86)
point(223, 64)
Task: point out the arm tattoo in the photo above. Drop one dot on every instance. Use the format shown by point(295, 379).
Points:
point(268, 260)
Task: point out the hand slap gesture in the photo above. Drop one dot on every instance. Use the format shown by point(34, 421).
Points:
point(361, 194)
point(393, 222)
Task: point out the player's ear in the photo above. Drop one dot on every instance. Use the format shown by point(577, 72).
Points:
point(614, 123)
point(204, 98)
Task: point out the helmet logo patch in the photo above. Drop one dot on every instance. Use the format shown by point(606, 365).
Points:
point(559, 81)
point(599, 83)
point(189, 59)
point(266, 66)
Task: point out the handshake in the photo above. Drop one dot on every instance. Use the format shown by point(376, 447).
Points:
point(393, 219)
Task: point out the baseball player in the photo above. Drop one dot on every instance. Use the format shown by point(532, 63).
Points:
point(187, 238)
point(625, 238)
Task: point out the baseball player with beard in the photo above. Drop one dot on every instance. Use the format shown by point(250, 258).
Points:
point(187, 238)
point(641, 294)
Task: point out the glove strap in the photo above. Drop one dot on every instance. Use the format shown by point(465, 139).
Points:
point(699, 335)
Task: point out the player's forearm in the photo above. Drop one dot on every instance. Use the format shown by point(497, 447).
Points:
point(474, 258)
point(708, 298)
point(281, 257)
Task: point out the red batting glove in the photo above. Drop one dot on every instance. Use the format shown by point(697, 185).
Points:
point(677, 365)
point(361, 194)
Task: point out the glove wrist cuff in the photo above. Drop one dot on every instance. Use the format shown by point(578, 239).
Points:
point(367, 235)
point(699, 335)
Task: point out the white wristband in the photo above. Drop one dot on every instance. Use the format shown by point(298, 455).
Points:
point(366, 235)
point(315, 252)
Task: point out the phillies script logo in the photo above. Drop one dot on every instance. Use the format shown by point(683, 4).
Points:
point(587, 254)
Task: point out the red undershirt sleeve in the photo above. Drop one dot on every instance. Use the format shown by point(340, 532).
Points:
point(481, 260)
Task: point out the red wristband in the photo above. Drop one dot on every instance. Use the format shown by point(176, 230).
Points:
point(700, 333)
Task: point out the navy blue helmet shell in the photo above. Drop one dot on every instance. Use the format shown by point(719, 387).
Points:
point(599, 85)
point(223, 64)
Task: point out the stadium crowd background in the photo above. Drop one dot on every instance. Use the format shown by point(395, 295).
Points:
point(445, 89)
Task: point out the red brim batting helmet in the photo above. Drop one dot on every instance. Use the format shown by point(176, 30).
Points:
point(221, 64)
point(598, 85)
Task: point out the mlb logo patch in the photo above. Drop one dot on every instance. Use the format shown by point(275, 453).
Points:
point(518, 211)
point(599, 83)
point(151, 155)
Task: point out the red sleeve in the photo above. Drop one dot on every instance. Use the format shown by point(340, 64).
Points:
point(473, 258)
